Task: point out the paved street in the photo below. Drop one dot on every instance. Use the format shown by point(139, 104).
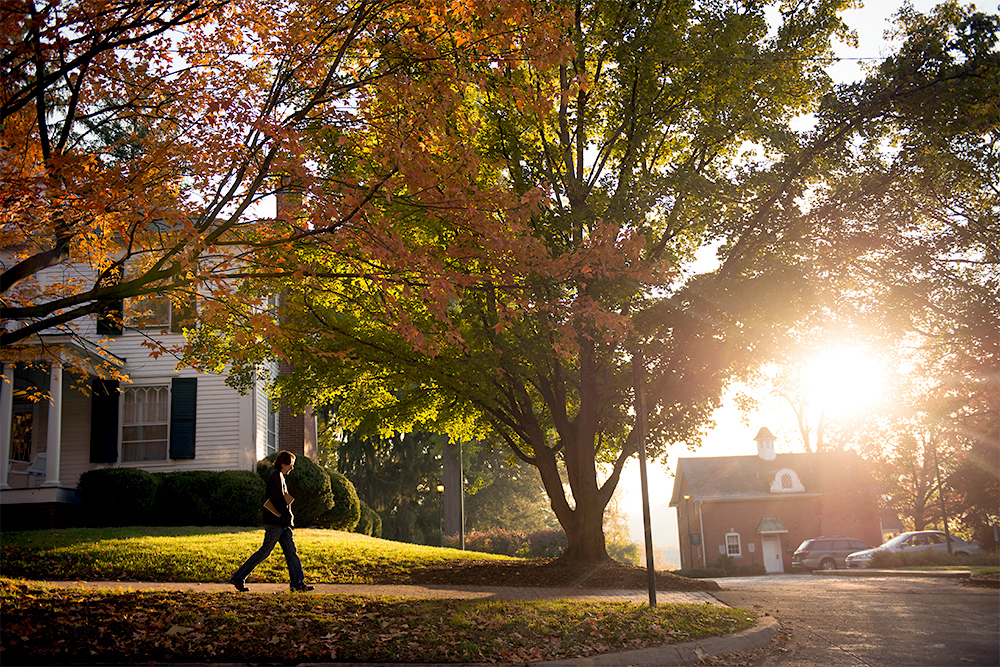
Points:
point(838, 620)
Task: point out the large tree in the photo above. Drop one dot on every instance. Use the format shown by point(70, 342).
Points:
point(665, 133)
point(638, 151)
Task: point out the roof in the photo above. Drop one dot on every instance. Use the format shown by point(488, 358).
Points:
point(771, 524)
point(734, 477)
point(764, 434)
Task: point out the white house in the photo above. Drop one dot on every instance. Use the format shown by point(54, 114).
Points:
point(162, 419)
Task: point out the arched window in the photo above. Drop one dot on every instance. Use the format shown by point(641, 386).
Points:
point(786, 481)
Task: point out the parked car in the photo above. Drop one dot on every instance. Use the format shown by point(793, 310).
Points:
point(921, 540)
point(825, 553)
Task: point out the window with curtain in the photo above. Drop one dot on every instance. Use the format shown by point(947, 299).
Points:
point(146, 423)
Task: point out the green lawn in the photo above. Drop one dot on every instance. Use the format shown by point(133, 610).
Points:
point(210, 554)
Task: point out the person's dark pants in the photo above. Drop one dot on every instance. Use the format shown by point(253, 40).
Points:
point(274, 535)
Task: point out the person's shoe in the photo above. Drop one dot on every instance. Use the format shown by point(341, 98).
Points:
point(303, 588)
point(240, 586)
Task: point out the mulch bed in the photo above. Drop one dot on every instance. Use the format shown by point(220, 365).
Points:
point(554, 573)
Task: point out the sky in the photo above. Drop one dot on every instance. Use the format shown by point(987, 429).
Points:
point(734, 432)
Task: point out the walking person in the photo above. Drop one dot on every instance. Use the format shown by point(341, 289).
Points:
point(278, 522)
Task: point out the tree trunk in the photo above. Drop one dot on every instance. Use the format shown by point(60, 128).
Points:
point(585, 534)
point(583, 524)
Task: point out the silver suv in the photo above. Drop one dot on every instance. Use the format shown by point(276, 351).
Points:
point(825, 553)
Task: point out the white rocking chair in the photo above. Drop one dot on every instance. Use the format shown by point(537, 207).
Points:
point(35, 470)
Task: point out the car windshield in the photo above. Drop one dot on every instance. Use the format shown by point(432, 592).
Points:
point(896, 541)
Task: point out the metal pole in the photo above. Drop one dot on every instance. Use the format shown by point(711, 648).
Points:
point(640, 425)
point(461, 498)
point(944, 516)
point(440, 492)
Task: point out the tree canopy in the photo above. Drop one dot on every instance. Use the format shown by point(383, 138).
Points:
point(142, 140)
point(636, 151)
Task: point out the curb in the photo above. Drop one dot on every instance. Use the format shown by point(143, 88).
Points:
point(923, 574)
point(688, 653)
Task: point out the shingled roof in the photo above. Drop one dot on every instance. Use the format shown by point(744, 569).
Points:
point(734, 477)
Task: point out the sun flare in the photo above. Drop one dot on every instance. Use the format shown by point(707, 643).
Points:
point(844, 380)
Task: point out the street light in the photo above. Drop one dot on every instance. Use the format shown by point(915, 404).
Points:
point(687, 510)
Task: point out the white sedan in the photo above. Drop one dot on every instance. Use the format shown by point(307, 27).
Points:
point(922, 540)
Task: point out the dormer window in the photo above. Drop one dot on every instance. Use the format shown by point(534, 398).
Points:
point(786, 481)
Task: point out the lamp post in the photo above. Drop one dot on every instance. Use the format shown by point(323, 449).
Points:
point(440, 490)
point(687, 510)
point(640, 427)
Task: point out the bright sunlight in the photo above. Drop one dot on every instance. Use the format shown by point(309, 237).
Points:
point(844, 381)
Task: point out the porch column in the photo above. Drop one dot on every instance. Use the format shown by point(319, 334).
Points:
point(6, 421)
point(53, 443)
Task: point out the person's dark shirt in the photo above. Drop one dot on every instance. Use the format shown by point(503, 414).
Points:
point(275, 492)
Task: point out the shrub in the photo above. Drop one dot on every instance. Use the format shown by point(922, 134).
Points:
point(492, 541)
point(346, 510)
point(309, 485)
point(184, 498)
point(118, 496)
point(370, 522)
point(238, 499)
point(888, 560)
point(547, 543)
point(624, 552)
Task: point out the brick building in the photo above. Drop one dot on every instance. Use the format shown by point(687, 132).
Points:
point(758, 509)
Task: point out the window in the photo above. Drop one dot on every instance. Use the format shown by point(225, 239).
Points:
point(146, 423)
point(733, 544)
point(20, 433)
point(157, 312)
point(272, 428)
point(786, 481)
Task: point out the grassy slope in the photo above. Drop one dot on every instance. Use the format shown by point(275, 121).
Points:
point(210, 554)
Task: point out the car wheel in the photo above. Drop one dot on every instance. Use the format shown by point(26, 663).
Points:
point(828, 564)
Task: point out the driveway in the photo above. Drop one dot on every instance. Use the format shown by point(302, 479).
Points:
point(860, 621)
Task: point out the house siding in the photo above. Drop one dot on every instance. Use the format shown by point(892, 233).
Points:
point(230, 429)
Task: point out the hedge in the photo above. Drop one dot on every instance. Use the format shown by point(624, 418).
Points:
point(309, 485)
point(346, 511)
point(118, 496)
point(370, 522)
point(130, 496)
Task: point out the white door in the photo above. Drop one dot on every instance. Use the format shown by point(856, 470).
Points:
point(772, 554)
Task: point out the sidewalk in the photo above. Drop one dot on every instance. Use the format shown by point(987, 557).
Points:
point(688, 653)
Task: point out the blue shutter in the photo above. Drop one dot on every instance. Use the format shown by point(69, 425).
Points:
point(183, 407)
point(104, 399)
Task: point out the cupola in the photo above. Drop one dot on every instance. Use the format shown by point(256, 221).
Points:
point(765, 444)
